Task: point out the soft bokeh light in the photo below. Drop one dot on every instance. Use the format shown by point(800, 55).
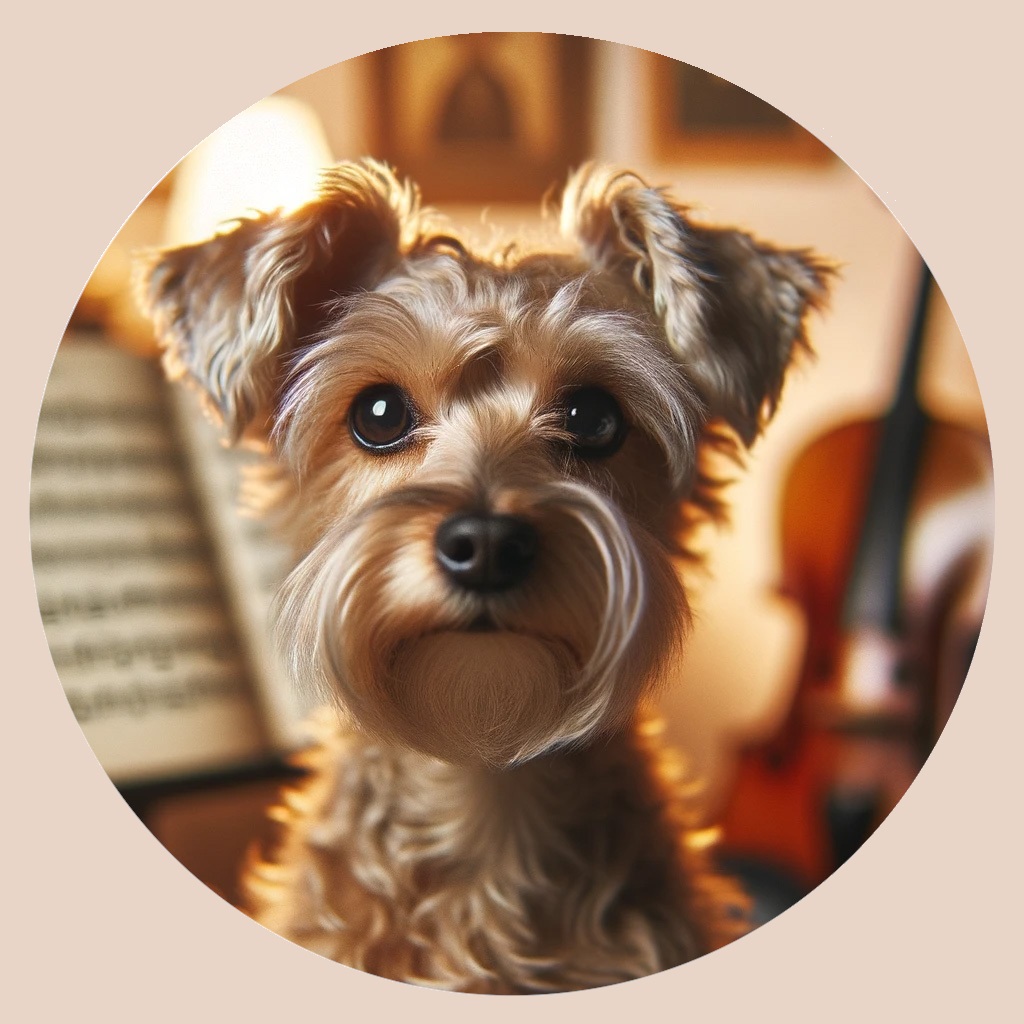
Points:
point(268, 157)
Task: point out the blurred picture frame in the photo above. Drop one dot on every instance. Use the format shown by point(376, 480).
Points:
point(697, 117)
point(492, 117)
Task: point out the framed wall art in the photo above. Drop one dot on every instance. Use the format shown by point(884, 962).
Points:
point(699, 117)
point(496, 116)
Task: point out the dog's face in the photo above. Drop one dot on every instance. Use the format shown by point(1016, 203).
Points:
point(488, 458)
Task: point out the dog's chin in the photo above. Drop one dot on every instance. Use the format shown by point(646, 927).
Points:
point(481, 696)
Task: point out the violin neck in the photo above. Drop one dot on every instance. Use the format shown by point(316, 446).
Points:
point(910, 370)
point(872, 596)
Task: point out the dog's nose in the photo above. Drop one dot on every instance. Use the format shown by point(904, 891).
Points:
point(486, 552)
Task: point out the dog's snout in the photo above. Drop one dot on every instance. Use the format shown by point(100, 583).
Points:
point(486, 552)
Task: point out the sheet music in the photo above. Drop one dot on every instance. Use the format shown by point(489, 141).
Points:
point(253, 563)
point(126, 577)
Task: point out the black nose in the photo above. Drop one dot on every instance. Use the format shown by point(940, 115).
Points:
point(485, 552)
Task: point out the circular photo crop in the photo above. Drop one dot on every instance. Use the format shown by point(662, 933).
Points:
point(512, 513)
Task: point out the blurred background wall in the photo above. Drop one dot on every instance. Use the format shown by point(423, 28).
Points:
point(488, 124)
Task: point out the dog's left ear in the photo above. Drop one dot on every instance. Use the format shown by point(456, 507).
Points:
point(229, 311)
point(732, 308)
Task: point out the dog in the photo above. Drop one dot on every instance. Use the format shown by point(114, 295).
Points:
point(488, 465)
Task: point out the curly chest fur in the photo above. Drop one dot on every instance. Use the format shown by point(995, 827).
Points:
point(531, 880)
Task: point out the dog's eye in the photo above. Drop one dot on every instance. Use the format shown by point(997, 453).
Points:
point(380, 417)
point(595, 421)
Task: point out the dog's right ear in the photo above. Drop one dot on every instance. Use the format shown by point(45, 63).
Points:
point(733, 309)
point(229, 310)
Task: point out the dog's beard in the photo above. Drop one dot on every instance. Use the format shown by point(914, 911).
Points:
point(370, 618)
point(481, 696)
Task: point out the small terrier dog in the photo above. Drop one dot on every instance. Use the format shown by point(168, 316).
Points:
point(488, 465)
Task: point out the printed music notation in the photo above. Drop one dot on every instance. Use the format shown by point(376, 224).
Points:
point(91, 602)
point(253, 565)
point(164, 657)
point(160, 650)
point(136, 699)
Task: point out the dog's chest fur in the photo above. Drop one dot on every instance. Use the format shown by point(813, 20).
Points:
point(573, 871)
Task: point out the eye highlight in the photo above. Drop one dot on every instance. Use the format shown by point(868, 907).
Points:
point(381, 417)
point(595, 421)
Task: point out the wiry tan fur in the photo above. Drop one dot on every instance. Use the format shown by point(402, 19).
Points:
point(572, 872)
point(487, 811)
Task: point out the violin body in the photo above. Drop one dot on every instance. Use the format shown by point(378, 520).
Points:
point(892, 591)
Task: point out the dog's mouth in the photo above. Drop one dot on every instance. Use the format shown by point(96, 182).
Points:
point(484, 624)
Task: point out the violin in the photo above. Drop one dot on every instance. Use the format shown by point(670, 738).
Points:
point(885, 545)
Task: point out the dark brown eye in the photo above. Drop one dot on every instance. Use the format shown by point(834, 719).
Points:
point(380, 417)
point(595, 421)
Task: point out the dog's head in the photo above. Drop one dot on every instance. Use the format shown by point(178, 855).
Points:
point(489, 455)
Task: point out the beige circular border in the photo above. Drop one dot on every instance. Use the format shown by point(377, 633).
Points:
point(101, 101)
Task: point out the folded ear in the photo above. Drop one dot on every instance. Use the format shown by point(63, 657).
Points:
point(732, 308)
point(229, 310)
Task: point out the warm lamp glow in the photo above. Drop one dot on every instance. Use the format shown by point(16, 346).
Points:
point(266, 158)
